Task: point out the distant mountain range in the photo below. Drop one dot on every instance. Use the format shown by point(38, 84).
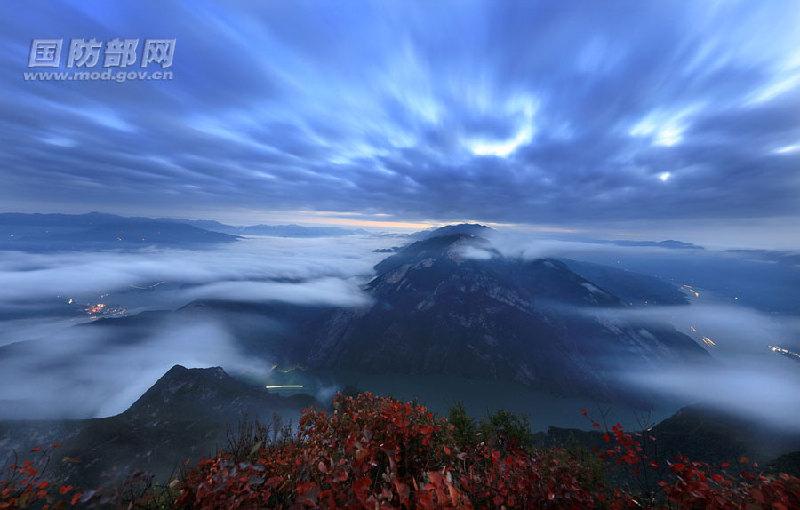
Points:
point(632, 288)
point(94, 230)
point(669, 244)
point(23, 231)
point(789, 258)
point(274, 230)
point(97, 231)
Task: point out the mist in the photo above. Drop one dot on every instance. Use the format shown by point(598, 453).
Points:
point(30, 276)
point(744, 378)
point(81, 373)
point(56, 365)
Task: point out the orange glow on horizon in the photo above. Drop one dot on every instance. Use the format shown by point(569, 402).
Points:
point(353, 222)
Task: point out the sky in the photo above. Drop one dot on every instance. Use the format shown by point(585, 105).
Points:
point(634, 117)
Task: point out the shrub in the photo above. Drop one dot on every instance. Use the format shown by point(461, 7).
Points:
point(376, 452)
point(507, 431)
point(29, 484)
point(465, 430)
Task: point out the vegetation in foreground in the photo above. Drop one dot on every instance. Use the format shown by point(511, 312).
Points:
point(377, 452)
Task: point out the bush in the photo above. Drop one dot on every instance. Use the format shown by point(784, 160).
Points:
point(507, 431)
point(376, 452)
point(465, 430)
point(29, 483)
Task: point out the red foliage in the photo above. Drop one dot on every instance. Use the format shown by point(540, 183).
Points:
point(24, 486)
point(375, 452)
point(697, 485)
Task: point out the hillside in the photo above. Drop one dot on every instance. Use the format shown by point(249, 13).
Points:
point(451, 305)
point(187, 413)
point(97, 231)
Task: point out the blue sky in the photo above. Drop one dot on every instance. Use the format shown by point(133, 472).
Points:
point(658, 116)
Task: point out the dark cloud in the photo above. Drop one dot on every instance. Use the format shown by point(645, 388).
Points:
point(511, 111)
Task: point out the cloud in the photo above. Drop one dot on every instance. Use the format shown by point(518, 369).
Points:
point(79, 373)
point(746, 389)
point(58, 369)
point(325, 291)
point(746, 379)
point(58, 276)
point(518, 112)
point(58, 366)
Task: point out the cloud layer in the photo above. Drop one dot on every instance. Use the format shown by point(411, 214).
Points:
point(516, 111)
point(60, 367)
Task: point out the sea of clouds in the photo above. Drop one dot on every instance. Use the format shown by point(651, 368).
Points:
point(52, 365)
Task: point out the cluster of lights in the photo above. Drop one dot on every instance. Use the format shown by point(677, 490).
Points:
point(785, 352)
point(691, 290)
point(96, 309)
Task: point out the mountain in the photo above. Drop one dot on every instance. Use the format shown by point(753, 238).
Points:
point(786, 463)
point(435, 310)
point(668, 244)
point(633, 288)
point(274, 230)
point(98, 231)
point(139, 232)
point(208, 394)
point(789, 258)
point(187, 413)
point(450, 305)
point(701, 433)
point(300, 231)
point(468, 229)
point(715, 435)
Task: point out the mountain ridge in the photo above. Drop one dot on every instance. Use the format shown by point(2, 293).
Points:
point(437, 309)
point(185, 414)
point(104, 451)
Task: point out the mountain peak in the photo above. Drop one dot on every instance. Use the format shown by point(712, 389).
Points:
point(189, 387)
point(469, 229)
point(180, 372)
point(182, 392)
point(435, 247)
